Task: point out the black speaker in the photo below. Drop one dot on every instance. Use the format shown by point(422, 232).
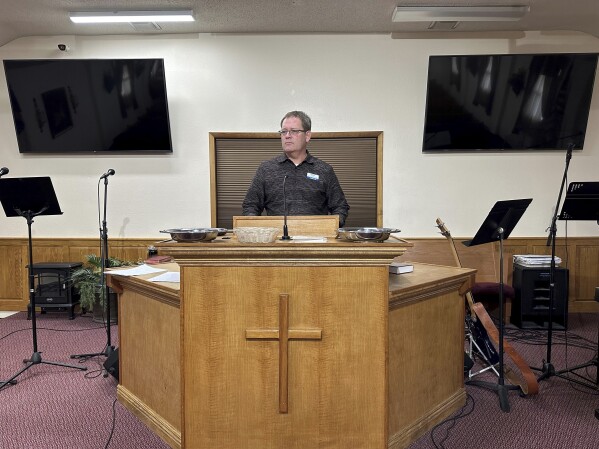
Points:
point(111, 364)
point(530, 308)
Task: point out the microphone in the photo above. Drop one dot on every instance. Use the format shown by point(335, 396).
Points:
point(285, 230)
point(110, 172)
point(3, 171)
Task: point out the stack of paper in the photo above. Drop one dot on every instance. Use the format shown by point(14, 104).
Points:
point(534, 260)
point(308, 239)
point(136, 271)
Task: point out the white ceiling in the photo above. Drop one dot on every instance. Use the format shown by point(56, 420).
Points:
point(20, 18)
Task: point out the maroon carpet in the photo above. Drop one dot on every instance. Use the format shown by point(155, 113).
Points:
point(55, 407)
point(562, 415)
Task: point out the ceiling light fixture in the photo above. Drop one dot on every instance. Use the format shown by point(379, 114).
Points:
point(459, 13)
point(131, 16)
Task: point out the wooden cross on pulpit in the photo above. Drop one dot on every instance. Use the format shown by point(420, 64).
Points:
point(283, 334)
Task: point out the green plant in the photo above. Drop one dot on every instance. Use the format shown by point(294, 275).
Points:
point(88, 279)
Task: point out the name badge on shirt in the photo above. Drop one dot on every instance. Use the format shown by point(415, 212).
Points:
point(313, 176)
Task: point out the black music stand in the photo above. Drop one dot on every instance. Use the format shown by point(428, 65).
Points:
point(581, 203)
point(28, 198)
point(498, 225)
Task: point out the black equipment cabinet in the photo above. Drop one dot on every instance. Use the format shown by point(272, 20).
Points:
point(530, 308)
point(53, 288)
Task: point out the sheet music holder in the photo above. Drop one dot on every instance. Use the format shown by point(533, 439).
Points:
point(35, 195)
point(504, 215)
point(498, 225)
point(28, 198)
point(582, 202)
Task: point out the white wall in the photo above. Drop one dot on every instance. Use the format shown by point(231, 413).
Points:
point(246, 83)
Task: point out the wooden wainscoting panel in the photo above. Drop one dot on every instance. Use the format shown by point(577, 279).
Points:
point(579, 254)
point(12, 282)
point(14, 289)
point(509, 251)
point(49, 252)
point(433, 250)
point(78, 253)
point(587, 268)
point(130, 250)
point(10, 279)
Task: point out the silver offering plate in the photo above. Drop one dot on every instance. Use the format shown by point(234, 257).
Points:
point(366, 234)
point(193, 234)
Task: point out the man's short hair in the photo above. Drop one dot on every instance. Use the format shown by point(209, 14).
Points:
point(305, 119)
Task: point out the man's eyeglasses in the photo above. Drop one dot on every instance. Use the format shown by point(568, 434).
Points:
point(293, 132)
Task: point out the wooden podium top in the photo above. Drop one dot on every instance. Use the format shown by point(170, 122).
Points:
point(227, 251)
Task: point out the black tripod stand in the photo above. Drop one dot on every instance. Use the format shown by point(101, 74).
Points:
point(497, 227)
point(581, 203)
point(28, 198)
point(108, 349)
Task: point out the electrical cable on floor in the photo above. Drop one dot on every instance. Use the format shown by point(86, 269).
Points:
point(113, 424)
point(568, 340)
point(94, 373)
point(462, 413)
point(538, 338)
point(49, 329)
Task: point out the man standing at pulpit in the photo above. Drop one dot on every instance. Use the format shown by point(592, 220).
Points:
point(295, 180)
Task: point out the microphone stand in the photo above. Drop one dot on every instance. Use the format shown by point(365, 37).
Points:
point(109, 349)
point(548, 370)
point(285, 229)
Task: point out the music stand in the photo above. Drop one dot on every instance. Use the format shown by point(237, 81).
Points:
point(28, 198)
point(498, 225)
point(581, 203)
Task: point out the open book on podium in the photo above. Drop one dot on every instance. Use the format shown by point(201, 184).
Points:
point(298, 225)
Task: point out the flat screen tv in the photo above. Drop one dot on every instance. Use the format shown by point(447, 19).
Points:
point(89, 105)
point(508, 102)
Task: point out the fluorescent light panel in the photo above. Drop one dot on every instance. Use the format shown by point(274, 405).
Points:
point(459, 13)
point(131, 16)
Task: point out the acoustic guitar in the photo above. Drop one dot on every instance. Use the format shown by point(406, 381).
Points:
point(486, 335)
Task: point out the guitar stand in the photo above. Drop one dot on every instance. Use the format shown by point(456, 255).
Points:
point(498, 225)
point(472, 345)
point(500, 387)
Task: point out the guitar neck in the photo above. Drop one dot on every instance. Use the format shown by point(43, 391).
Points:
point(445, 232)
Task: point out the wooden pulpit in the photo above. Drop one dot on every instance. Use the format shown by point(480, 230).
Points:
point(291, 344)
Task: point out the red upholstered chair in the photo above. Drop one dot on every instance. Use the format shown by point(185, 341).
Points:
point(489, 291)
point(488, 294)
